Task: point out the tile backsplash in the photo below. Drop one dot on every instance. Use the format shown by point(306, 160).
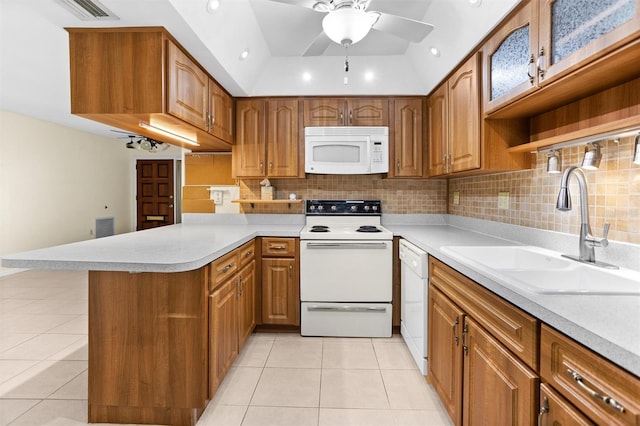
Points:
point(614, 194)
point(397, 195)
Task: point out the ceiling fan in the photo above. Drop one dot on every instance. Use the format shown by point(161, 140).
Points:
point(142, 142)
point(349, 21)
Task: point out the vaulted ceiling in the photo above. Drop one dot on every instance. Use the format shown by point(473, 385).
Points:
point(34, 63)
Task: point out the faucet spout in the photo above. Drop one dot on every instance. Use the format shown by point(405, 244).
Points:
point(587, 241)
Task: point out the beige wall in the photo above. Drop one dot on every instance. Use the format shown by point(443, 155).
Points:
point(614, 195)
point(55, 181)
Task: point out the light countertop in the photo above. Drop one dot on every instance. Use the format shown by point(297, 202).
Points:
point(174, 248)
point(609, 325)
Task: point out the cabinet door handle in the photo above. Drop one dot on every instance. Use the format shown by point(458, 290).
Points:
point(261, 166)
point(531, 70)
point(455, 331)
point(604, 398)
point(465, 330)
point(541, 63)
point(398, 166)
point(290, 270)
point(351, 117)
point(270, 166)
point(341, 117)
point(544, 409)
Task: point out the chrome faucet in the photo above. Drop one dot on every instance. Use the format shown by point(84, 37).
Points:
point(587, 241)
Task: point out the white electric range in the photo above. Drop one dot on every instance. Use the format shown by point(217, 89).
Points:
point(345, 270)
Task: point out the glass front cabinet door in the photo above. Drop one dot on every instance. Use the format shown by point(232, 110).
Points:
point(576, 32)
point(548, 39)
point(510, 59)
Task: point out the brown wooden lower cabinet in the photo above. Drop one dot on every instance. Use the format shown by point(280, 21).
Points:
point(246, 302)
point(280, 281)
point(445, 352)
point(498, 388)
point(477, 376)
point(557, 411)
point(223, 332)
point(147, 347)
point(599, 389)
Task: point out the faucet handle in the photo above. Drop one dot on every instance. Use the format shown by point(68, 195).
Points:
point(601, 242)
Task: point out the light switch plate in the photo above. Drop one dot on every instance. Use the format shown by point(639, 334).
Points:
point(217, 197)
point(456, 198)
point(503, 200)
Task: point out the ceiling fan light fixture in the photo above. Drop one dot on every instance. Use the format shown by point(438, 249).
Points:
point(347, 25)
point(212, 5)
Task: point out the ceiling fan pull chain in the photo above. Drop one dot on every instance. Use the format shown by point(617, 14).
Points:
point(346, 57)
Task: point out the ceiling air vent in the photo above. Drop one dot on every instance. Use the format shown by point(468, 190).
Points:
point(88, 10)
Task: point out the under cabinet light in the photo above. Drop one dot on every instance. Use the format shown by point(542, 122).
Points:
point(636, 150)
point(167, 133)
point(592, 156)
point(554, 162)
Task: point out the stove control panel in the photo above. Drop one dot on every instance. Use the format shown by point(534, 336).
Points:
point(344, 207)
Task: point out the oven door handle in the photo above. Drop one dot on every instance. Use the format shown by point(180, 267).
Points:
point(346, 308)
point(378, 245)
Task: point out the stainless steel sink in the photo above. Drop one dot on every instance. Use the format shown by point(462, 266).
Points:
point(544, 271)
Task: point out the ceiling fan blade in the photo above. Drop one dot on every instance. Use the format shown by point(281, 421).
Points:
point(302, 3)
point(318, 45)
point(408, 29)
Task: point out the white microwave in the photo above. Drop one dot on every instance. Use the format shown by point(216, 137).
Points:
point(348, 150)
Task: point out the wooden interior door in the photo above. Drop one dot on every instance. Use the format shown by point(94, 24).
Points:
point(154, 195)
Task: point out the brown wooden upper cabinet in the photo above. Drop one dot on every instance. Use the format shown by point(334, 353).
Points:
point(346, 112)
point(267, 138)
point(124, 76)
point(196, 98)
point(546, 40)
point(454, 122)
point(406, 153)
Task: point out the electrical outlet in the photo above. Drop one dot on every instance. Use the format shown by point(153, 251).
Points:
point(503, 200)
point(456, 198)
point(217, 197)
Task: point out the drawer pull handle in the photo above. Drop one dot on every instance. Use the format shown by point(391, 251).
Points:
point(248, 254)
point(226, 268)
point(278, 247)
point(606, 399)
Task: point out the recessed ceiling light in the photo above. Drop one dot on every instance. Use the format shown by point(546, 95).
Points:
point(475, 3)
point(434, 51)
point(244, 55)
point(306, 76)
point(212, 5)
point(369, 76)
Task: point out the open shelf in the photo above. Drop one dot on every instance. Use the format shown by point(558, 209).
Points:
point(257, 201)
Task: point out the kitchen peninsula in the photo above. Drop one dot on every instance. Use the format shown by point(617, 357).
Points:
point(148, 337)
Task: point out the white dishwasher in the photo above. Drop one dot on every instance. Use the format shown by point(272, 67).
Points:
point(414, 274)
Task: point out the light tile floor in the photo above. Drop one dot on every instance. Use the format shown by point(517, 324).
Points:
point(278, 379)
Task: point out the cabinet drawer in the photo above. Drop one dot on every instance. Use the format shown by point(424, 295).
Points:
point(278, 247)
point(589, 373)
point(515, 329)
point(223, 268)
point(246, 252)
